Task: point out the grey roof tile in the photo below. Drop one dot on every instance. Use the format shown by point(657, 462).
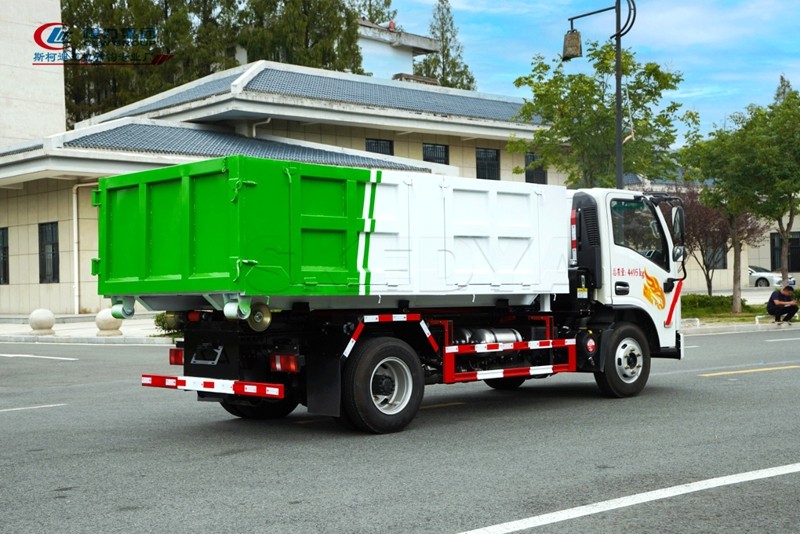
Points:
point(8, 151)
point(351, 89)
point(158, 139)
point(630, 178)
point(369, 93)
point(198, 92)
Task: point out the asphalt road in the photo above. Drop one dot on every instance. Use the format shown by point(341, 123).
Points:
point(84, 448)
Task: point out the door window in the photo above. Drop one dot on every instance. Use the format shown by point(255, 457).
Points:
point(636, 227)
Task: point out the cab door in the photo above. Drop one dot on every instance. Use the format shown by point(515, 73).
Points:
point(640, 260)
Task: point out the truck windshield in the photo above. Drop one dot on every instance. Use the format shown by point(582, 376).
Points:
point(637, 227)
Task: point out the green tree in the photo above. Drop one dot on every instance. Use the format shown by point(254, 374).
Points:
point(724, 160)
point(775, 163)
point(196, 33)
point(447, 64)
point(755, 168)
point(577, 115)
point(375, 11)
point(709, 229)
point(95, 84)
point(313, 33)
point(214, 35)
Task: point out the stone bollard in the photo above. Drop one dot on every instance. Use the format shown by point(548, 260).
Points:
point(107, 324)
point(42, 322)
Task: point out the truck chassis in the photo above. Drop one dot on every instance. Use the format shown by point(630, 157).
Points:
point(369, 370)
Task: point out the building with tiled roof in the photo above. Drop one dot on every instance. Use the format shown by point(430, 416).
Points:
point(262, 109)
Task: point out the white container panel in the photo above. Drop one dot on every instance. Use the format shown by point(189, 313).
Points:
point(456, 236)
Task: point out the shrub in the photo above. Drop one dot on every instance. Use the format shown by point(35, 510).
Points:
point(163, 326)
point(696, 305)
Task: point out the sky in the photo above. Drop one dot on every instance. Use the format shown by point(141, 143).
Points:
point(731, 53)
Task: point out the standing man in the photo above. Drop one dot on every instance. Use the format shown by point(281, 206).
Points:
point(782, 304)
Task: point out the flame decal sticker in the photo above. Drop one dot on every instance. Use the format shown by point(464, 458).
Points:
point(653, 292)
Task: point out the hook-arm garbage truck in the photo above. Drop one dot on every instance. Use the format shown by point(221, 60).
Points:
point(348, 290)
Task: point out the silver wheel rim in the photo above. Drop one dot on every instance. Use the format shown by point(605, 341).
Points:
point(628, 360)
point(391, 386)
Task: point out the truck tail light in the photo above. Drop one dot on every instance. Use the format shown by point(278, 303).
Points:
point(176, 356)
point(284, 363)
point(573, 252)
point(591, 345)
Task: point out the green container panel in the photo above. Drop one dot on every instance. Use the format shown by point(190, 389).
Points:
point(235, 224)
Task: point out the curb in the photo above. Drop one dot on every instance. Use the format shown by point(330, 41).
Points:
point(65, 319)
point(115, 340)
point(731, 328)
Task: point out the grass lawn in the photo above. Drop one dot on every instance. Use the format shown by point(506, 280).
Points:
point(717, 309)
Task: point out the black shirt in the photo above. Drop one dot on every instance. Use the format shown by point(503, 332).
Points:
point(777, 295)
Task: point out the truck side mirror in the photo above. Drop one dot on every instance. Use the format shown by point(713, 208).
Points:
point(678, 225)
point(678, 253)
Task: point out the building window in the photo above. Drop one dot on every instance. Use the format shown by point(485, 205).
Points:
point(48, 253)
point(487, 163)
point(380, 146)
point(436, 153)
point(4, 256)
point(534, 174)
point(794, 251)
point(717, 258)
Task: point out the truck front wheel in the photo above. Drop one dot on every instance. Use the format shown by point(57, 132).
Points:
point(382, 385)
point(627, 364)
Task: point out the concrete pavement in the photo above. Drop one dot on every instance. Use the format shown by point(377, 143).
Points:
point(140, 330)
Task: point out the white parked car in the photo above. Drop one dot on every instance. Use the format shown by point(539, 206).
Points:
point(761, 277)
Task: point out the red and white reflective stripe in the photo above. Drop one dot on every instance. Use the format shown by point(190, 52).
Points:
point(573, 221)
point(392, 318)
point(428, 334)
point(215, 385)
point(508, 373)
point(518, 345)
point(352, 342)
point(389, 318)
point(675, 298)
point(542, 370)
point(158, 381)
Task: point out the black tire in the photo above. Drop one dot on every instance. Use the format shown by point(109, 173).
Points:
point(505, 384)
point(762, 282)
point(627, 363)
point(248, 408)
point(344, 421)
point(382, 385)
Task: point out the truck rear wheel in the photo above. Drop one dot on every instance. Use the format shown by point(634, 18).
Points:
point(260, 408)
point(627, 364)
point(382, 385)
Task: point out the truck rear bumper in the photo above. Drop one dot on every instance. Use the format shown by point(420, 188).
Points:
point(215, 385)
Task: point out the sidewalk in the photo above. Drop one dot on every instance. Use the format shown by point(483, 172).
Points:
point(140, 330)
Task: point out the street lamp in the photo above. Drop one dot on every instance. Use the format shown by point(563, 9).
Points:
point(572, 49)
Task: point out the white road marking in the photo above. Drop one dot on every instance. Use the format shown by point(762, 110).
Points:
point(784, 339)
point(32, 407)
point(38, 357)
point(631, 500)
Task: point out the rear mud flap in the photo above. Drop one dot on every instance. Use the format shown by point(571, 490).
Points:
point(324, 386)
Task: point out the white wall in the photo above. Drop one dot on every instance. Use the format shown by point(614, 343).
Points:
point(31, 97)
point(384, 61)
